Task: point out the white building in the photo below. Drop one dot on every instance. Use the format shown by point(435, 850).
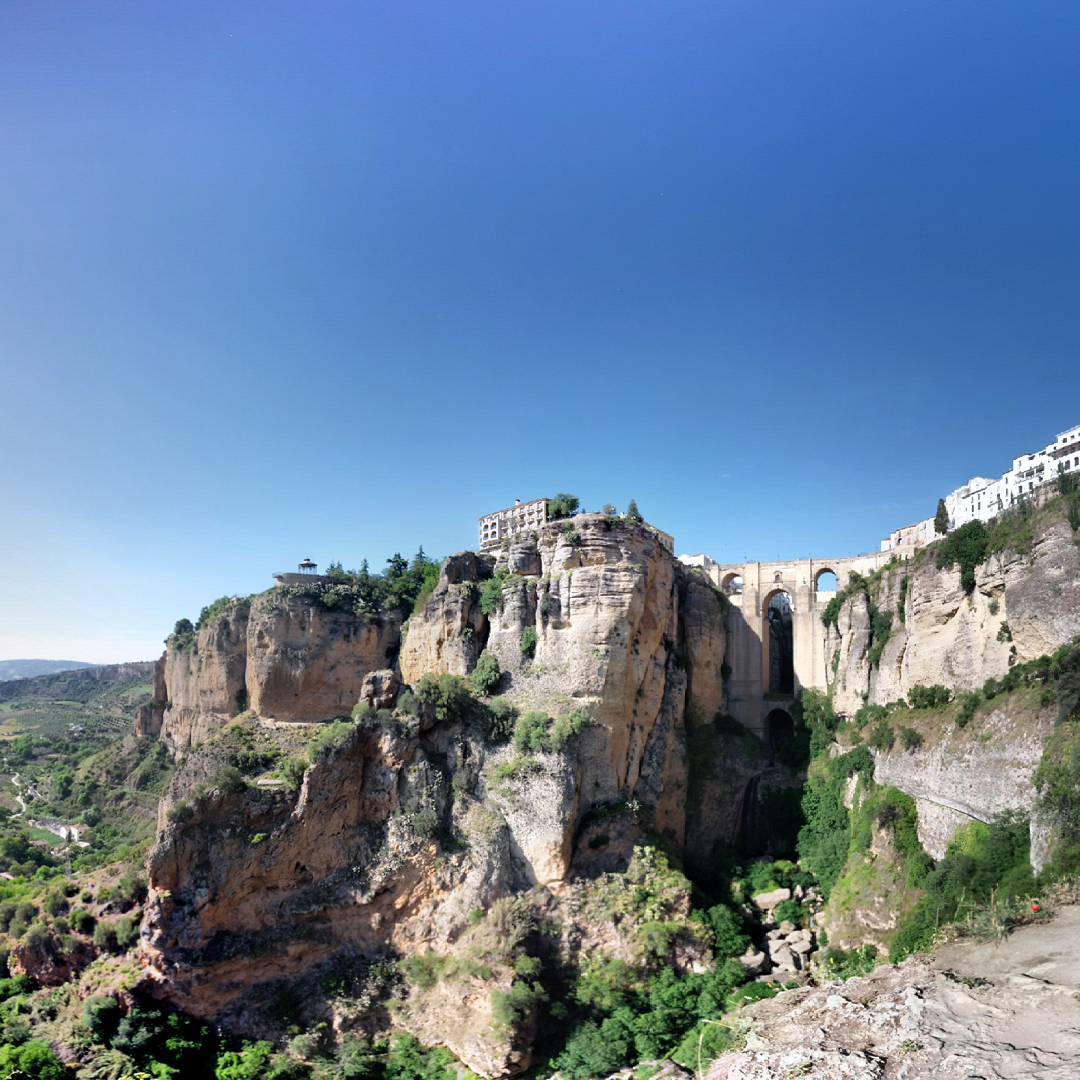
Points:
point(981, 499)
point(521, 517)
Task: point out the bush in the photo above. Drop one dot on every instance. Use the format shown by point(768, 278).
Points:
point(292, 770)
point(500, 717)
point(981, 861)
point(528, 642)
point(531, 733)
point(966, 547)
point(105, 937)
point(788, 911)
point(968, 705)
point(491, 592)
point(729, 938)
point(840, 964)
point(101, 1015)
point(446, 697)
point(487, 674)
point(510, 1008)
point(929, 697)
point(596, 1049)
point(881, 736)
point(910, 739)
point(32, 1061)
point(408, 1060)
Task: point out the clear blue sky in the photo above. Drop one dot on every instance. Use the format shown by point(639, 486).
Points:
point(331, 278)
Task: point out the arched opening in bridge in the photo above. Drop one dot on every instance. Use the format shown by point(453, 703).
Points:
point(732, 585)
point(779, 729)
point(825, 583)
point(778, 644)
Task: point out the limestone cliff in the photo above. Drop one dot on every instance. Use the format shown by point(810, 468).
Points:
point(413, 819)
point(1024, 605)
point(283, 654)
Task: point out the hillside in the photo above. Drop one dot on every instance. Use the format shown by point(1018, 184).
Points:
point(28, 669)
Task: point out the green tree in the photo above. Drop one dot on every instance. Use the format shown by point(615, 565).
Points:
point(31, 1061)
point(941, 518)
point(633, 514)
point(562, 506)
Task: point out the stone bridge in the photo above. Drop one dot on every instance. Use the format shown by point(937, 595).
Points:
point(762, 685)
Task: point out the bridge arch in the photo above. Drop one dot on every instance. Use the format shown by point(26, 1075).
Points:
point(779, 729)
point(832, 578)
point(732, 584)
point(777, 642)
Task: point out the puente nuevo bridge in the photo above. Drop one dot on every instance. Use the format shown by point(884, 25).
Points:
point(776, 642)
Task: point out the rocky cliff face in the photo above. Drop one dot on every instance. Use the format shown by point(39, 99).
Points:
point(416, 818)
point(1024, 605)
point(283, 655)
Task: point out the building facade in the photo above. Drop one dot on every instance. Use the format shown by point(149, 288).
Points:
point(521, 517)
point(981, 498)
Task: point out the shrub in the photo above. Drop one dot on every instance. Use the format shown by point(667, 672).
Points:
point(331, 738)
point(126, 929)
point(910, 739)
point(491, 592)
point(408, 1060)
point(788, 911)
point(606, 983)
point(102, 1015)
point(510, 1008)
point(966, 547)
point(841, 964)
point(105, 936)
point(567, 727)
point(729, 939)
point(968, 704)
point(292, 770)
point(882, 736)
point(929, 697)
point(82, 922)
point(596, 1049)
point(528, 642)
point(447, 697)
point(487, 674)
point(499, 717)
point(32, 1061)
point(531, 733)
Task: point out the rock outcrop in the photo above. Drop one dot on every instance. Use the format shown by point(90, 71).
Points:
point(284, 655)
point(419, 817)
point(993, 1010)
point(1024, 605)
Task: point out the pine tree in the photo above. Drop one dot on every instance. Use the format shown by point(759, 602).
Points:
point(633, 514)
point(941, 518)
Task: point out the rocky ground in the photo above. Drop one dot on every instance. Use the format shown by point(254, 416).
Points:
point(1008, 1010)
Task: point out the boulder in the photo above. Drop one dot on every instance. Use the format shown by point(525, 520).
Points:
point(766, 901)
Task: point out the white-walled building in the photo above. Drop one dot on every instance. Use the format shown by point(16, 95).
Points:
point(981, 498)
point(521, 517)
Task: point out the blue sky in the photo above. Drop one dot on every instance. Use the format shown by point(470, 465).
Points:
point(282, 279)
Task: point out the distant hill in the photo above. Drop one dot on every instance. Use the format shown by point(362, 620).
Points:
point(92, 683)
point(28, 669)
